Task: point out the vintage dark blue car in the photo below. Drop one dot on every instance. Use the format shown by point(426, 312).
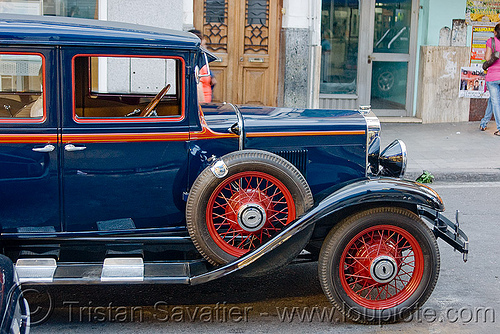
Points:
point(111, 172)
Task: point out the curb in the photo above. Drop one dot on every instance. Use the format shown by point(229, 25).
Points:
point(459, 176)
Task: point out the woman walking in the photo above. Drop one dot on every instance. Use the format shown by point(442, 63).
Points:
point(493, 78)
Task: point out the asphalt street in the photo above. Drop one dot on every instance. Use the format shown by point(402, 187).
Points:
point(466, 298)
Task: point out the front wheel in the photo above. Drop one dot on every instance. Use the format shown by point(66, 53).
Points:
point(379, 265)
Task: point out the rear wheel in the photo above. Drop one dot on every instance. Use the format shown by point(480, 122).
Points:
point(379, 265)
point(261, 194)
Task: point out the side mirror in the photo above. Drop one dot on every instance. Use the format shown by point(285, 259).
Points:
point(204, 58)
point(197, 74)
point(203, 64)
point(208, 66)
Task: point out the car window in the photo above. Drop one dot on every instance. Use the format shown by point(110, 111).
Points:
point(21, 86)
point(125, 87)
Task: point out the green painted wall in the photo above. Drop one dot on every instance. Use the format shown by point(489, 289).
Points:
point(436, 14)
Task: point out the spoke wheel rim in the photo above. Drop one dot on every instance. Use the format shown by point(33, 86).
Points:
point(390, 245)
point(386, 81)
point(267, 196)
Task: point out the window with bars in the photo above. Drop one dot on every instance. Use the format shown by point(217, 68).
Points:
point(215, 27)
point(257, 26)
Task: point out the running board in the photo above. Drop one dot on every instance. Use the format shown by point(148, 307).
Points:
point(38, 270)
point(113, 270)
point(122, 269)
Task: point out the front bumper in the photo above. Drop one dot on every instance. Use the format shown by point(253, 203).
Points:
point(447, 230)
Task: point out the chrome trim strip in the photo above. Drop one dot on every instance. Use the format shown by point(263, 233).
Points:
point(241, 126)
point(372, 130)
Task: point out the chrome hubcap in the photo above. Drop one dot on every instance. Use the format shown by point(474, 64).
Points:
point(383, 269)
point(251, 217)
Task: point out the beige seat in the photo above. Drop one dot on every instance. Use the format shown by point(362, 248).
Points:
point(31, 110)
point(37, 108)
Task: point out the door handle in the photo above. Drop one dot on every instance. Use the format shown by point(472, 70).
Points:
point(46, 149)
point(73, 148)
point(370, 59)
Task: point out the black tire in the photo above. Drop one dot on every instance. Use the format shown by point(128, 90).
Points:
point(379, 265)
point(216, 211)
point(386, 81)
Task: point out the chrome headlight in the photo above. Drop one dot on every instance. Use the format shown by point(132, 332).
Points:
point(393, 159)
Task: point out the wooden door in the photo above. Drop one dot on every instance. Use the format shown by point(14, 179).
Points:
point(244, 34)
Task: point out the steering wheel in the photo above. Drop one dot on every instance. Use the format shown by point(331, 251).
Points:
point(154, 102)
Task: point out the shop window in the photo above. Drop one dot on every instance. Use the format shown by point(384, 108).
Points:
point(339, 42)
point(392, 26)
point(26, 7)
point(87, 9)
point(72, 8)
point(127, 87)
point(21, 86)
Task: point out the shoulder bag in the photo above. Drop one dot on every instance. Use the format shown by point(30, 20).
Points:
point(494, 55)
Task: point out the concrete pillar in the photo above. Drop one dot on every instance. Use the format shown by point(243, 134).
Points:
point(188, 17)
point(439, 81)
point(156, 13)
point(296, 41)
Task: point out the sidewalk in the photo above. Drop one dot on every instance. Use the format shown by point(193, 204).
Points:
point(450, 151)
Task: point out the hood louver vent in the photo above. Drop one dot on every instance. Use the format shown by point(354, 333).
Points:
point(298, 158)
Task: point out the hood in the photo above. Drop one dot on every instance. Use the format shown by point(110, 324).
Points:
point(220, 117)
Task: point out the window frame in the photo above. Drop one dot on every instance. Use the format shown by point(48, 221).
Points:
point(26, 120)
point(182, 85)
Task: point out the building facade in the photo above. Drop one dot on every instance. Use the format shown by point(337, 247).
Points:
point(316, 53)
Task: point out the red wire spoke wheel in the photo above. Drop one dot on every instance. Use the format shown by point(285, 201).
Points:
point(379, 265)
point(246, 210)
point(260, 196)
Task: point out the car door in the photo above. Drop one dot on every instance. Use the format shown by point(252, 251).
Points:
point(123, 170)
point(29, 157)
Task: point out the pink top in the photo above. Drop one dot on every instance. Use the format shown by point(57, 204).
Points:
point(493, 73)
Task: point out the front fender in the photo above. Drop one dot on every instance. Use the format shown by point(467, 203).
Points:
point(363, 194)
point(364, 191)
point(383, 189)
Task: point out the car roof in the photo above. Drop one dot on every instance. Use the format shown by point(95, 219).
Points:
point(52, 30)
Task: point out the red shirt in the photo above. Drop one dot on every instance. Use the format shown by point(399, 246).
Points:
point(206, 84)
